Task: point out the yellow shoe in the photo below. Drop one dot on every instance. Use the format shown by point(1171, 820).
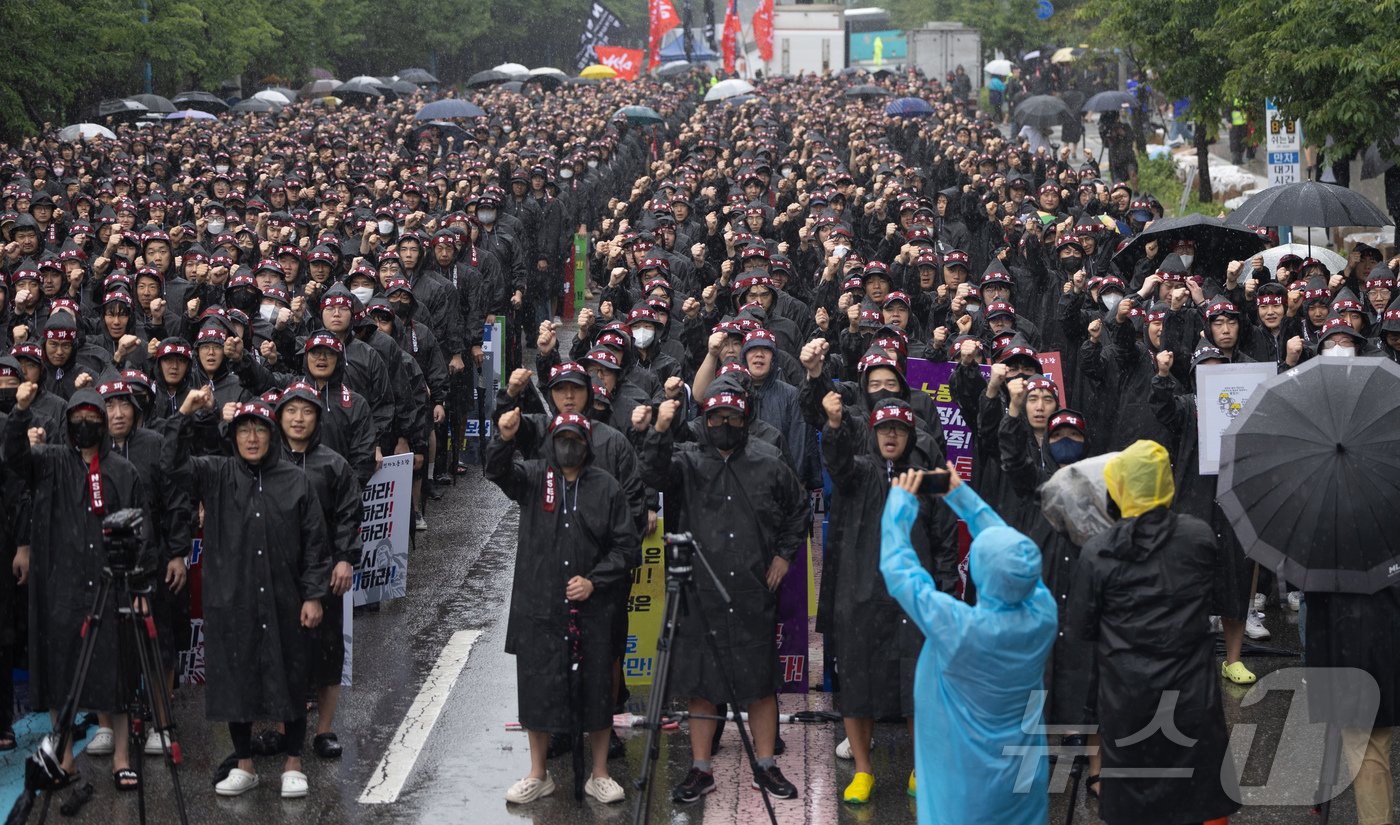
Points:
point(858, 792)
point(913, 786)
point(1236, 672)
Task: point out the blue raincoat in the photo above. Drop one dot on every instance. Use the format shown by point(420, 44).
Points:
point(979, 668)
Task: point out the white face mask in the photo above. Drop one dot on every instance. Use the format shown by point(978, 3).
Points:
point(486, 215)
point(840, 250)
point(643, 337)
point(385, 227)
point(1111, 301)
point(215, 227)
point(1336, 351)
point(593, 164)
point(1186, 259)
point(364, 293)
point(268, 312)
point(221, 168)
point(973, 309)
point(566, 173)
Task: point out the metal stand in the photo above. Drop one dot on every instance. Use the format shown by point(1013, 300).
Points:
point(680, 589)
point(43, 771)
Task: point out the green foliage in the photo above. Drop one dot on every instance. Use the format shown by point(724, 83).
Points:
point(1008, 25)
point(1158, 177)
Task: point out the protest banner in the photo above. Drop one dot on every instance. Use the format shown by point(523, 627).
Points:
point(645, 605)
point(1222, 393)
point(382, 572)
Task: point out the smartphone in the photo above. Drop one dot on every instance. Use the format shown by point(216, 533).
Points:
point(934, 484)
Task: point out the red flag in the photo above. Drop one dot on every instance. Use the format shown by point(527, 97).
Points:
point(763, 29)
point(731, 34)
point(626, 62)
point(663, 19)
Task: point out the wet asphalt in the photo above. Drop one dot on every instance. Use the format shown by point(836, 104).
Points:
point(459, 579)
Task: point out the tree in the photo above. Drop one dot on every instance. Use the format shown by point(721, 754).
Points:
point(1336, 66)
point(1175, 40)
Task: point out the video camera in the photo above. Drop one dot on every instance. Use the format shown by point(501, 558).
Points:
point(121, 538)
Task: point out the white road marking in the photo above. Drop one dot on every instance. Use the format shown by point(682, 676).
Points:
point(393, 771)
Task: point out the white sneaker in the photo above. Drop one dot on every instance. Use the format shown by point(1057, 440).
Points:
point(603, 789)
point(843, 750)
point(237, 782)
point(1215, 625)
point(528, 789)
point(294, 785)
point(153, 743)
point(1259, 602)
point(1254, 627)
point(1295, 600)
point(102, 743)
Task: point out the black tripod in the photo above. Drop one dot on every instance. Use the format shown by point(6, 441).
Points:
point(121, 536)
point(681, 549)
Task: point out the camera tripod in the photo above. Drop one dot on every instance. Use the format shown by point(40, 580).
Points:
point(43, 770)
point(681, 550)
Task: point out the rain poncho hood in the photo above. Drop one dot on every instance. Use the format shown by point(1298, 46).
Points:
point(979, 669)
point(1140, 478)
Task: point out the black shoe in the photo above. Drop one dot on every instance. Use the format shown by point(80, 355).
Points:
point(779, 746)
point(433, 493)
point(773, 781)
point(616, 747)
point(559, 744)
point(326, 745)
point(697, 783)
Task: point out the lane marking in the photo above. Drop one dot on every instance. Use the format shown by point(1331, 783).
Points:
point(387, 781)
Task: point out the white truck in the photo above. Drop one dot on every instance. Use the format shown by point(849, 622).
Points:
point(806, 38)
point(940, 48)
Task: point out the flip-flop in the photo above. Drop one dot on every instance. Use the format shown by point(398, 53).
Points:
point(126, 780)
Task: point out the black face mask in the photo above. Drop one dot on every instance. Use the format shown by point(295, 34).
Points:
point(726, 436)
point(245, 300)
point(1071, 264)
point(403, 311)
point(881, 395)
point(570, 452)
point(7, 399)
point(85, 434)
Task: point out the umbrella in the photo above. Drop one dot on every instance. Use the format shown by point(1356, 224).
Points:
point(1108, 102)
point(1308, 203)
point(320, 74)
point(363, 91)
point(908, 107)
point(320, 87)
point(548, 71)
point(190, 114)
point(673, 69)
point(1330, 259)
point(639, 115)
point(121, 109)
point(256, 105)
point(288, 93)
point(273, 96)
point(514, 70)
point(1310, 473)
point(203, 101)
point(449, 108)
point(84, 131)
point(728, 88)
point(548, 81)
point(403, 88)
point(418, 77)
point(1214, 240)
point(1042, 111)
point(367, 80)
point(514, 86)
point(598, 72)
point(1001, 68)
point(154, 103)
point(866, 90)
point(486, 78)
point(1066, 55)
point(1031, 55)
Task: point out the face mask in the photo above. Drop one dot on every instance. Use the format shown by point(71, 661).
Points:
point(973, 309)
point(1071, 264)
point(566, 173)
point(486, 215)
point(385, 227)
point(881, 395)
point(85, 434)
point(593, 164)
point(215, 227)
point(787, 173)
point(7, 399)
point(570, 452)
point(1111, 301)
point(268, 312)
point(840, 250)
point(248, 302)
point(1066, 451)
point(643, 337)
point(403, 310)
point(1339, 352)
point(364, 293)
point(1186, 259)
point(726, 437)
point(221, 168)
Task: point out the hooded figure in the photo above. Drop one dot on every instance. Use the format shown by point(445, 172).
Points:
point(980, 668)
point(1142, 593)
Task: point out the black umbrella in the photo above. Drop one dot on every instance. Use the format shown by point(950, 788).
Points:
point(1108, 102)
point(403, 88)
point(1308, 203)
point(1310, 475)
point(1043, 112)
point(487, 78)
point(417, 76)
point(449, 107)
point(120, 109)
point(1215, 242)
point(199, 101)
point(516, 86)
point(255, 105)
point(155, 104)
point(360, 91)
point(867, 90)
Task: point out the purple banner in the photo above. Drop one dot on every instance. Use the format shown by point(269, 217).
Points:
point(932, 378)
point(792, 624)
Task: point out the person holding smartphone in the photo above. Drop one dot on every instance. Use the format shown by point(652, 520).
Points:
point(980, 673)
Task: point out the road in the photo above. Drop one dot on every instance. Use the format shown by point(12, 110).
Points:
point(459, 580)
